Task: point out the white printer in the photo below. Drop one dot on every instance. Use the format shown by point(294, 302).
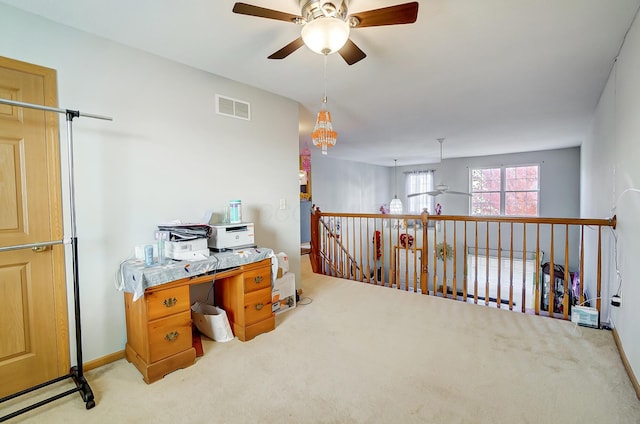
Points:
point(232, 236)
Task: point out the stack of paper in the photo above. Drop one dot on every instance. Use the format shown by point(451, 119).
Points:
point(181, 232)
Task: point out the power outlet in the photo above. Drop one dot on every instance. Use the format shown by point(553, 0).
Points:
point(616, 301)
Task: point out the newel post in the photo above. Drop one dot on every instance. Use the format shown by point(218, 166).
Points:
point(314, 255)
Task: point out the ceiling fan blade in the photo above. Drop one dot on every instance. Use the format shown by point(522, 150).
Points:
point(428, 193)
point(416, 194)
point(351, 53)
point(406, 13)
point(262, 12)
point(458, 192)
point(288, 49)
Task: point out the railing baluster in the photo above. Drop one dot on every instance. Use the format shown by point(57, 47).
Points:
point(524, 268)
point(599, 272)
point(498, 288)
point(466, 252)
point(581, 267)
point(435, 262)
point(359, 241)
point(345, 248)
point(475, 281)
point(424, 263)
point(329, 244)
point(444, 261)
point(539, 275)
point(339, 253)
point(454, 289)
point(406, 268)
point(416, 260)
point(511, 265)
point(382, 253)
point(552, 273)
point(486, 261)
point(566, 301)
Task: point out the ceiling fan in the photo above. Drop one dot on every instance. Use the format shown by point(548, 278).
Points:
point(319, 16)
point(440, 188)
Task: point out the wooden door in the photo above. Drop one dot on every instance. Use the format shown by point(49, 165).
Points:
point(34, 344)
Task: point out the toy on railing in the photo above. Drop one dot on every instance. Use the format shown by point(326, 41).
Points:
point(377, 244)
point(406, 240)
point(444, 250)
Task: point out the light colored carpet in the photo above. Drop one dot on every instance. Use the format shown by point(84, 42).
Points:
point(365, 354)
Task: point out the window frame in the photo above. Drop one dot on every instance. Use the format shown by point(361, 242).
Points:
point(503, 188)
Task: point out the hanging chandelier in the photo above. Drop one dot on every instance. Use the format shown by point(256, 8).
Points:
point(323, 135)
point(395, 207)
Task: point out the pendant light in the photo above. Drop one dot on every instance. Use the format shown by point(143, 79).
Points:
point(323, 135)
point(395, 207)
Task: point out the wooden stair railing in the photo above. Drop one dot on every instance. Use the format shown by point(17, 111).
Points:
point(371, 247)
point(338, 268)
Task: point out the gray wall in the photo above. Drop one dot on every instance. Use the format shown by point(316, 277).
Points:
point(345, 186)
point(610, 182)
point(559, 179)
point(166, 156)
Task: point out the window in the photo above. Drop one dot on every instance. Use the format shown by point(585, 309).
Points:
point(419, 182)
point(507, 190)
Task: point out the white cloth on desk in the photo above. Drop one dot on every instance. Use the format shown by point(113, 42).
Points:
point(135, 277)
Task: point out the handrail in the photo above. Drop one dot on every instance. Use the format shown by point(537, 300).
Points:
point(351, 260)
point(609, 222)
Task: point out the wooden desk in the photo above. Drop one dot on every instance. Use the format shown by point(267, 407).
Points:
point(159, 324)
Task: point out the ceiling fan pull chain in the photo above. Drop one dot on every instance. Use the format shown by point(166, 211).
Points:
point(325, 77)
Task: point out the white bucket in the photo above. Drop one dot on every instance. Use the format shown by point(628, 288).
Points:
point(211, 321)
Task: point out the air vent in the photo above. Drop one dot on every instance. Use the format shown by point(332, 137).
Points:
point(231, 107)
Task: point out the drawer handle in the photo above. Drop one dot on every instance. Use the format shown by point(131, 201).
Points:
point(259, 306)
point(170, 302)
point(257, 279)
point(172, 336)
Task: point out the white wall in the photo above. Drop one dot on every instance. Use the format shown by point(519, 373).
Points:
point(346, 186)
point(610, 180)
point(165, 156)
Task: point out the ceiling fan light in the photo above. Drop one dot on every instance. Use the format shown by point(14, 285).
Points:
point(325, 35)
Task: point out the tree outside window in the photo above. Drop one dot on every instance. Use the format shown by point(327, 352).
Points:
point(506, 190)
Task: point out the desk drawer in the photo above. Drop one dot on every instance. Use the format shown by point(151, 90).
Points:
point(168, 336)
point(163, 303)
point(257, 279)
point(257, 306)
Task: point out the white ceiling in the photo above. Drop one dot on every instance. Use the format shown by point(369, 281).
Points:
point(491, 76)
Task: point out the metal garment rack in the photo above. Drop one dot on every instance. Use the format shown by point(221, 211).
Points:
point(76, 372)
